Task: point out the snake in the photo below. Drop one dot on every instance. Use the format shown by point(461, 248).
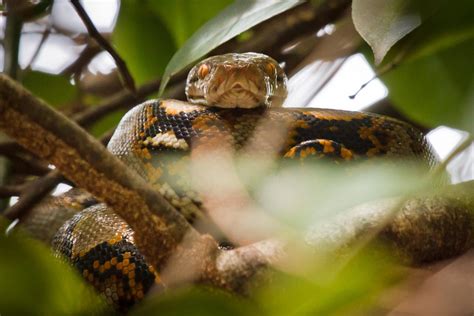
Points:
point(233, 100)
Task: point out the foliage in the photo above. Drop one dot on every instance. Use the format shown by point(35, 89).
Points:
point(383, 23)
point(433, 81)
point(36, 283)
point(431, 44)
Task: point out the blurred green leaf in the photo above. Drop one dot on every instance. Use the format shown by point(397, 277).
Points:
point(195, 301)
point(107, 123)
point(314, 193)
point(332, 288)
point(436, 89)
point(383, 23)
point(235, 19)
point(54, 89)
point(142, 41)
point(445, 24)
point(35, 283)
point(184, 17)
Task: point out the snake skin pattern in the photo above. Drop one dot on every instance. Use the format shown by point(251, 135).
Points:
point(158, 138)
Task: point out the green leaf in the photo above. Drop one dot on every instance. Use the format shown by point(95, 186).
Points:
point(235, 19)
point(36, 283)
point(195, 302)
point(184, 17)
point(331, 288)
point(304, 196)
point(142, 41)
point(383, 23)
point(444, 24)
point(436, 89)
point(107, 123)
point(54, 89)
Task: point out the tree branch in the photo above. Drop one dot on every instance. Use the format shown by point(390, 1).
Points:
point(32, 194)
point(94, 33)
point(82, 159)
point(7, 191)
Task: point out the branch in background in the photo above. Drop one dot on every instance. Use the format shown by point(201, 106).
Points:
point(27, 164)
point(7, 191)
point(440, 168)
point(94, 33)
point(12, 40)
point(11, 46)
point(34, 192)
point(84, 58)
point(44, 37)
point(27, 11)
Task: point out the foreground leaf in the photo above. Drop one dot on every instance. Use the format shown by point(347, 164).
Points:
point(235, 19)
point(35, 283)
point(383, 23)
point(195, 302)
point(332, 288)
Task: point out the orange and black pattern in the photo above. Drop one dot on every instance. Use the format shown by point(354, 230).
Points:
point(156, 139)
point(101, 246)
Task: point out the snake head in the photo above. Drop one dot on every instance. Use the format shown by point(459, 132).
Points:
point(245, 80)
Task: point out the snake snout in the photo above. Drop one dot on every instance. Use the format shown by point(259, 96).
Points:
point(237, 86)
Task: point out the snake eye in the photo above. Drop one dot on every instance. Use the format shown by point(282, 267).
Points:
point(203, 71)
point(270, 69)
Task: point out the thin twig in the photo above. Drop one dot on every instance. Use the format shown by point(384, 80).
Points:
point(378, 74)
point(382, 71)
point(94, 33)
point(44, 37)
point(459, 148)
point(34, 192)
point(27, 164)
point(91, 50)
point(117, 101)
point(7, 191)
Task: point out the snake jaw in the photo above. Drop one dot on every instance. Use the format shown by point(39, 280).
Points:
point(246, 80)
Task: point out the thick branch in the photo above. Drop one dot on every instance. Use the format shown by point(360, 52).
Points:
point(82, 159)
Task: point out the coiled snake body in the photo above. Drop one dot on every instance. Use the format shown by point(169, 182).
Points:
point(234, 100)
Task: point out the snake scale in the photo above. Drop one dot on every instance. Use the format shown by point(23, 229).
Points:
point(234, 100)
